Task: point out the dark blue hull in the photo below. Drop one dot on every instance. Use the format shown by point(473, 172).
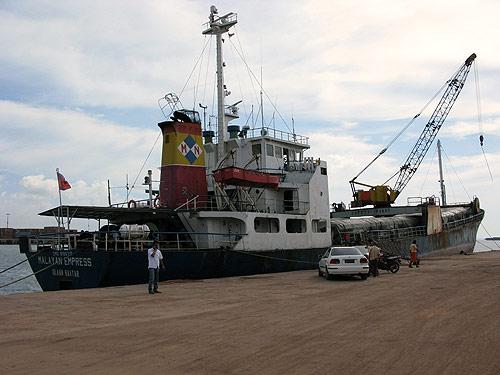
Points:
point(76, 270)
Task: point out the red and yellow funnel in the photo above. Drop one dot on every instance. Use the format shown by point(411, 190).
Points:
point(183, 175)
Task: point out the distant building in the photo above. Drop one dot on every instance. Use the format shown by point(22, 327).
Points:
point(10, 235)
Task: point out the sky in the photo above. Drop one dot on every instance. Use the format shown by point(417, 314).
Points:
point(80, 83)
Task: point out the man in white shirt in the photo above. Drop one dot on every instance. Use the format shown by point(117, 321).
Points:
point(154, 259)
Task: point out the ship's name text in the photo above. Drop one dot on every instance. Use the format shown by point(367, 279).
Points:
point(64, 261)
point(66, 273)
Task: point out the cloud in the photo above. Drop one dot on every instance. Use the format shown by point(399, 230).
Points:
point(113, 53)
point(462, 129)
point(73, 74)
point(334, 60)
point(88, 150)
point(39, 139)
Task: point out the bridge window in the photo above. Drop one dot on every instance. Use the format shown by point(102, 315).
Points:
point(256, 149)
point(269, 150)
point(278, 151)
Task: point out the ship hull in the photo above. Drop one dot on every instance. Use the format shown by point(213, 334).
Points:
point(460, 240)
point(77, 270)
point(57, 270)
point(457, 235)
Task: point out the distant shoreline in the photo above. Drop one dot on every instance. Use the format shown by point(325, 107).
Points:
point(9, 241)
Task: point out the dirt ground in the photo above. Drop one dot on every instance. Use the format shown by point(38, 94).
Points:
point(442, 318)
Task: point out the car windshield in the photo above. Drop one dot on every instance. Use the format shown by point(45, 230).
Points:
point(345, 251)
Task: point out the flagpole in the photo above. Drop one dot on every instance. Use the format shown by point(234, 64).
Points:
point(59, 214)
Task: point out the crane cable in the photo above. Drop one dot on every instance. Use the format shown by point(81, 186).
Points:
point(404, 129)
point(480, 117)
point(459, 179)
point(456, 174)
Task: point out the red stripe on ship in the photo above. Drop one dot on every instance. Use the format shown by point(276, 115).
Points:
point(180, 127)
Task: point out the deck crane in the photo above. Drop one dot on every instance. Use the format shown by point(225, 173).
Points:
point(383, 195)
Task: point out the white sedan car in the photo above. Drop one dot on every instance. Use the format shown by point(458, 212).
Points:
point(343, 261)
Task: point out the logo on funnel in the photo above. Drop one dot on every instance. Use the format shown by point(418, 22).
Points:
point(190, 149)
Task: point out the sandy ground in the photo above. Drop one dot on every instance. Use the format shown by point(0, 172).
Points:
point(442, 318)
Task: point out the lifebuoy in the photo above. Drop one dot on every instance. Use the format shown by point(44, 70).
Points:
point(156, 202)
point(132, 204)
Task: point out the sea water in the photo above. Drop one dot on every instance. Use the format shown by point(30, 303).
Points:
point(10, 255)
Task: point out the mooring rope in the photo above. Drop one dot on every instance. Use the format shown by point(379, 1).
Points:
point(25, 277)
point(21, 262)
point(270, 257)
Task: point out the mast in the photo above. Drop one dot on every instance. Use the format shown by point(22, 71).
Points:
point(441, 180)
point(261, 102)
point(218, 26)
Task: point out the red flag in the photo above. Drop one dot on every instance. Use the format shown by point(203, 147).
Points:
point(63, 184)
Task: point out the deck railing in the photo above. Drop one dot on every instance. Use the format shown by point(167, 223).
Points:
point(130, 241)
point(277, 134)
point(281, 206)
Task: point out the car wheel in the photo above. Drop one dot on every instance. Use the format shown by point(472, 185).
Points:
point(364, 276)
point(394, 267)
point(320, 274)
point(327, 275)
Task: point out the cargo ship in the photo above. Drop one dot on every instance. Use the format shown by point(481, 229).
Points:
point(239, 201)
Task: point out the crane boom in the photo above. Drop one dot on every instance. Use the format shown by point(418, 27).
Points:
point(417, 154)
point(383, 195)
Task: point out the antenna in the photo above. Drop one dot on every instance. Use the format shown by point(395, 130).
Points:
point(261, 101)
point(204, 114)
point(217, 26)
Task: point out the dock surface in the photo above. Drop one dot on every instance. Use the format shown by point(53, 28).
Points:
point(442, 318)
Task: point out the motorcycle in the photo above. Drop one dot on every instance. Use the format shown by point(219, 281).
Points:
point(389, 262)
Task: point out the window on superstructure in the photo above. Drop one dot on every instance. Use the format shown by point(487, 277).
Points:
point(256, 149)
point(290, 200)
point(266, 225)
point(296, 226)
point(278, 151)
point(319, 226)
point(269, 150)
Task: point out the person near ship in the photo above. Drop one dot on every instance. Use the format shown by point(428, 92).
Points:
point(373, 256)
point(155, 258)
point(413, 254)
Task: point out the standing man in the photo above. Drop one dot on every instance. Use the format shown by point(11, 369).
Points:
point(373, 255)
point(154, 259)
point(413, 254)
